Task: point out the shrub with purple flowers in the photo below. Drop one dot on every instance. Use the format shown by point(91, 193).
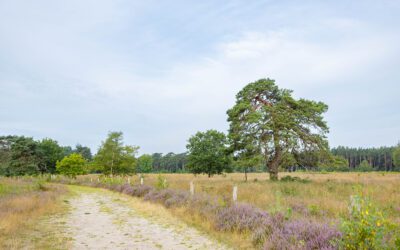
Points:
point(304, 234)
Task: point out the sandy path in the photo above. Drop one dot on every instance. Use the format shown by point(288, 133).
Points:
point(102, 221)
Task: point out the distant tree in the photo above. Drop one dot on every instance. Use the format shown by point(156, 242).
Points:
point(272, 120)
point(208, 153)
point(115, 158)
point(71, 165)
point(334, 163)
point(364, 166)
point(249, 158)
point(145, 164)
point(288, 162)
point(49, 152)
point(67, 150)
point(84, 151)
point(157, 158)
point(5, 153)
point(396, 157)
point(25, 157)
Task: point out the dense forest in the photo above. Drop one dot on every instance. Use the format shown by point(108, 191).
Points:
point(378, 158)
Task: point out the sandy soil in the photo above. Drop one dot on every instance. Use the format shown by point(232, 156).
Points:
point(102, 221)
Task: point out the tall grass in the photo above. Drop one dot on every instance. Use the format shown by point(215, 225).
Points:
point(22, 202)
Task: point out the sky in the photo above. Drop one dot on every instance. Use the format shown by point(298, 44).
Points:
point(159, 71)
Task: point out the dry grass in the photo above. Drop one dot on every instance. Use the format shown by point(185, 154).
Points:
point(22, 204)
point(326, 196)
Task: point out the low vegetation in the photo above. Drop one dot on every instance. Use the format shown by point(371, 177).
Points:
point(23, 202)
point(305, 211)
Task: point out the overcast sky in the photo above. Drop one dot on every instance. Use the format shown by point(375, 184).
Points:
point(161, 70)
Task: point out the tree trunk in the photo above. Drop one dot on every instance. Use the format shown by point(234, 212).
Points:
point(273, 170)
point(273, 164)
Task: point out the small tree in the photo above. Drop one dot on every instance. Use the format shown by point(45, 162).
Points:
point(208, 153)
point(269, 118)
point(145, 163)
point(113, 157)
point(71, 165)
point(364, 166)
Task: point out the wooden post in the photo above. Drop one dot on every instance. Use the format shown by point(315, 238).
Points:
point(191, 188)
point(129, 180)
point(98, 180)
point(141, 180)
point(91, 179)
point(234, 195)
point(165, 183)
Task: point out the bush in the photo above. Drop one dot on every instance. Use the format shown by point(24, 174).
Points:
point(161, 182)
point(289, 178)
point(304, 234)
point(71, 165)
point(366, 228)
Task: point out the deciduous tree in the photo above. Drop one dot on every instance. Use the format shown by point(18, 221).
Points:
point(71, 165)
point(113, 157)
point(208, 153)
point(145, 163)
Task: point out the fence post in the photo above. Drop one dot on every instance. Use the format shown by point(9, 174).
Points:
point(191, 188)
point(141, 180)
point(234, 195)
point(129, 180)
point(91, 179)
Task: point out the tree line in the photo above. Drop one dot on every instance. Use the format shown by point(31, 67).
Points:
point(380, 159)
point(269, 130)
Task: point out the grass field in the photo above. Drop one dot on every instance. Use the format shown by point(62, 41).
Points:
point(24, 202)
point(321, 196)
point(322, 199)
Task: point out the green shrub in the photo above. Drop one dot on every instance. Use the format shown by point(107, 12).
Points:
point(71, 165)
point(161, 182)
point(289, 178)
point(366, 228)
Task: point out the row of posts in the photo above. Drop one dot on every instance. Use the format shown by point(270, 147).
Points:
point(191, 189)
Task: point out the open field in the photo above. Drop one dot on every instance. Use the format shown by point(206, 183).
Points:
point(308, 211)
point(43, 215)
point(324, 196)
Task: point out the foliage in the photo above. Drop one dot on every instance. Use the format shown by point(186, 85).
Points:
point(367, 228)
point(268, 118)
point(49, 152)
point(115, 158)
point(145, 164)
point(364, 166)
point(71, 165)
point(24, 157)
point(170, 162)
point(380, 158)
point(161, 182)
point(334, 163)
point(208, 153)
point(84, 151)
point(396, 157)
point(289, 178)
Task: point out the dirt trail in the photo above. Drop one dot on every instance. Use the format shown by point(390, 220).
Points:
point(104, 221)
